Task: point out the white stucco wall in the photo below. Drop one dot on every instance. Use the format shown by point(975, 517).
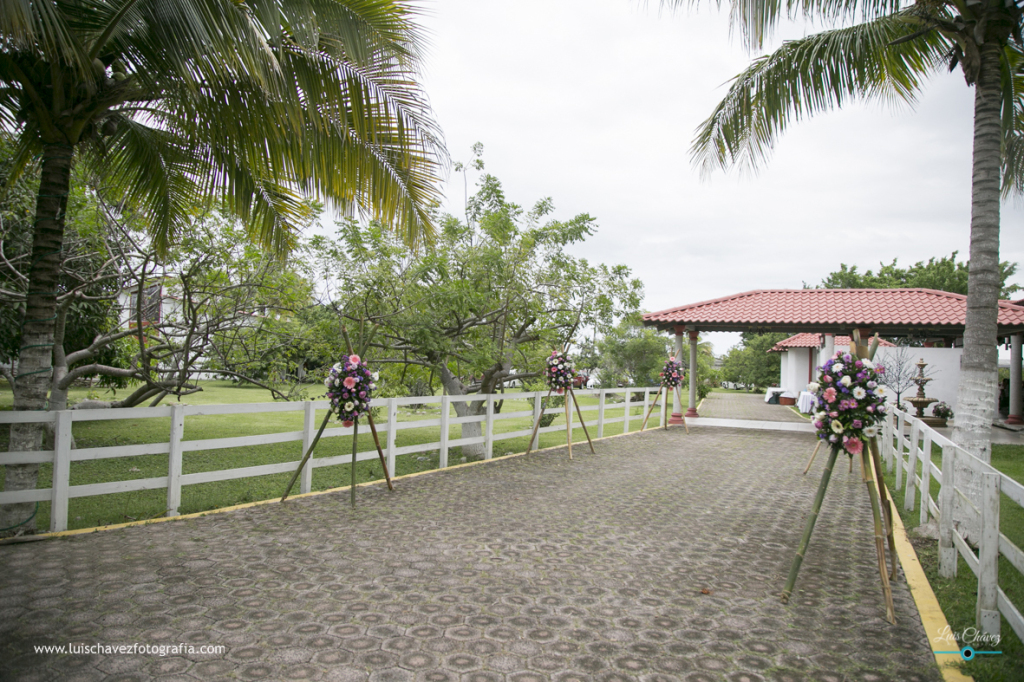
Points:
point(943, 368)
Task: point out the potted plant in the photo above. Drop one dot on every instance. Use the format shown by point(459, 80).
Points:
point(942, 411)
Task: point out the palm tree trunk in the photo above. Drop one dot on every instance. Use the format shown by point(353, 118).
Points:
point(976, 393)
point(36, 354)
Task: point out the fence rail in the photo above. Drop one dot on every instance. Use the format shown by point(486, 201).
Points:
point(175, 447)
point(910, 454)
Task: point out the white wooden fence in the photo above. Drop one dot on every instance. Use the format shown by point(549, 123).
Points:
point(909, 450)
point(175, 447)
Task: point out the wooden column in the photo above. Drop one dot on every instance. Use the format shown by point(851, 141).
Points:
point(692, 410)
point(1016, 404)
point(677, 414)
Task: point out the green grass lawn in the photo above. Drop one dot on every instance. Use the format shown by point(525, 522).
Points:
point(86, 512)
point(958, 597)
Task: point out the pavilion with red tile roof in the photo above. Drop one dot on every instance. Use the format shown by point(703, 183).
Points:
point(890, 312)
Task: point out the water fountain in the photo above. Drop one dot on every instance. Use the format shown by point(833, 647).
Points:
point(920, 401)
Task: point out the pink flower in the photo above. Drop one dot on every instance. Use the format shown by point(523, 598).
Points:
point(561, 391)
point(672, 359)
point(350, 382)
point(854, 446)
point(829, 395)
point(870, 408)
point(833, 414)
point(828, 379)
point(354, 359)
point(346, 423)
point(857, 423)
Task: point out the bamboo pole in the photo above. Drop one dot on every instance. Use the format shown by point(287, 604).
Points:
point(813, 455)
point(536, 424)
point(582, 423)
point(568, 420)
point(355, 446)
point(380, 452)
point(655, 404)
point(876, 512)
point(886, 504)
point(309, 452)
point(794, 569)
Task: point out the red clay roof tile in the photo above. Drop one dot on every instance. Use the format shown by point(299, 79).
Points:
point(896, 311)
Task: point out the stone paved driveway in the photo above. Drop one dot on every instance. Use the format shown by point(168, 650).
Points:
point(746, 406)
point(660, 558)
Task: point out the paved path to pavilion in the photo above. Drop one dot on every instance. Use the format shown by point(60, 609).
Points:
point(659, 558)
point(746, 406)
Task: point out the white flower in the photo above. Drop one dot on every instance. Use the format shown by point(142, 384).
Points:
point(327, 382)
point(868, 364)
point(880, 391)
point(846, 380)
point(871, 431)
point(838, 368)
point(375, 376)
point(820, 416)
point(338, 366)
point(837, 426)
point(813, 387)
point(349, 406)
point(859, 393)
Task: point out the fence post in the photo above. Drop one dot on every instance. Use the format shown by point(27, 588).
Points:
point(926, 476)
point(174, 459)
point(489, 429)
point(986, 615)
point(647, 400)
point(600, 413)
point(538, 406)
point(445, 408)
point(908, 492)
point(901, 421)
point(947, 551)
point(392, 433)
point(664, 408)
point(308, 431)
point(625, 419)
point(61, 472)
point(887, 441)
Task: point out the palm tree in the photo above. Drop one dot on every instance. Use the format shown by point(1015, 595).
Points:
point(251, 103)
point(887, 57)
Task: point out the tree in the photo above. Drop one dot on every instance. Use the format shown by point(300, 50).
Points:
point(888, 56)
point(176, 102)
point(900, 370)
point(482, 306)
point(943, 274)
point(750, 363)
point(631, 354)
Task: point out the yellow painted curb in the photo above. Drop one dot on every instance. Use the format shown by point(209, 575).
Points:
point(932, 617)
point(247, 505)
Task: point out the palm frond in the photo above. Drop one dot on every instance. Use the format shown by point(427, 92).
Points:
point(756, 20)
point(805, 77)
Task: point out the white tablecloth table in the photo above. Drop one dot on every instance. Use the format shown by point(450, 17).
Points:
point(772, 391)
point(805, 403)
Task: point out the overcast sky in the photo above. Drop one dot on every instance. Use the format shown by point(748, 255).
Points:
point(594, 103)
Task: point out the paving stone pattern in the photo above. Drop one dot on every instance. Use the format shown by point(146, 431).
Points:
point(659, 558)
point(746, 406)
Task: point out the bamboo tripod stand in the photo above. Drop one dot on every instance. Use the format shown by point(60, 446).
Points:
point(568, 422)
point(355, 442)
point(655, 404)
point(881, 506)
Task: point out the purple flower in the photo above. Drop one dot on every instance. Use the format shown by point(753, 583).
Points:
point(857, 423)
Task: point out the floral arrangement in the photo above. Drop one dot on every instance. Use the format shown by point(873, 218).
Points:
point(942, 410)
point(559, 373)
point(672, 374)
point(850, 402)
point(350, 388)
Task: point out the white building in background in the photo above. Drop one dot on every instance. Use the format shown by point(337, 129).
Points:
point(802, 354)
